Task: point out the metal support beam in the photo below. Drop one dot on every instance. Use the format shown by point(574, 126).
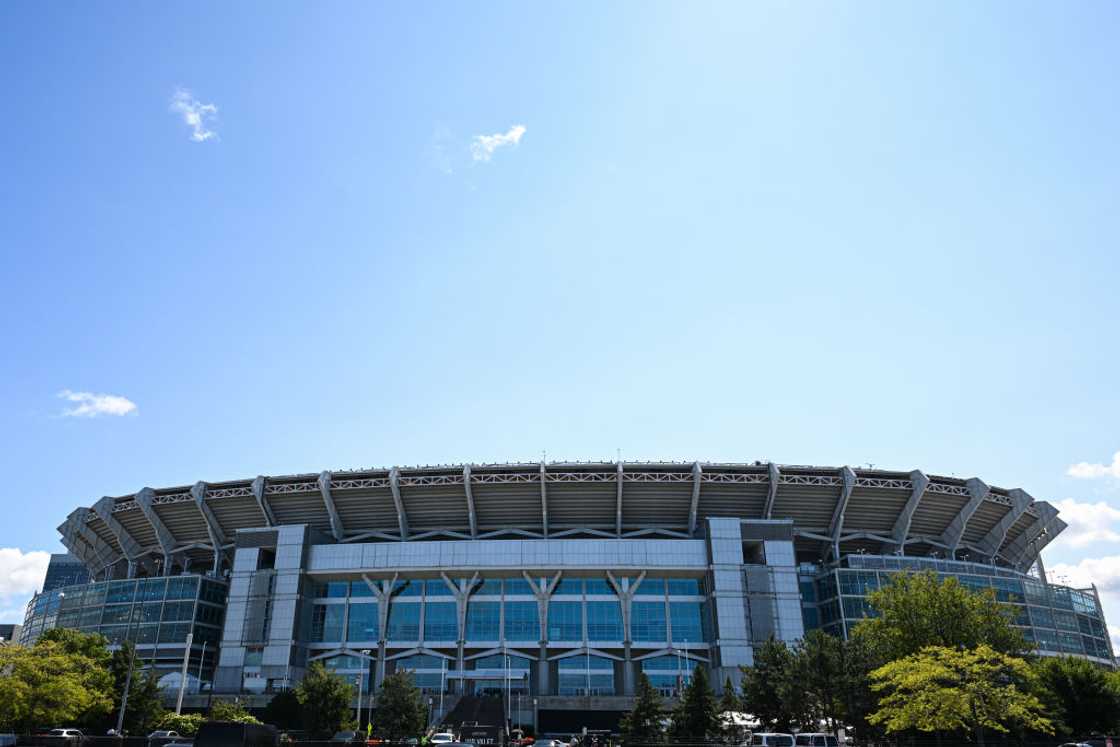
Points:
point(953, 533)
point(471, 515)
point(129, 546)
point(918, 484)
point(697, 478)
point(993, 540)
point(395, 487)
point(332, 512)
point(259, 489)
point(618, 501)
point(1018, 548)
point(213, 528)
point(772, 493)
point(79, 539)
point(1053, 528)
point(836, 526)
point(544, 499)
point(166, 540)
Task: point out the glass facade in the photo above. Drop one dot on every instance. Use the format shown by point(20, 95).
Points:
point(1057, 620)
point(585, 675)
point(156, 614)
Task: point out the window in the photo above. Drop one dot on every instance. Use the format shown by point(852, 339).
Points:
point(174, 633)
point(436, 588)
point(858, 583)
point(360, 589)
point(684, 587)
point(518, 586)
point(565, 621)
point(441, 621)
point(148, 613)
point(687, 623)
point(604, 621)
point(178, 611)
point(483, 619)
point(404, 622)
point(647, 621)
point(185, 587)
point(121, 591)
point(586, 675)
point(651, 587)
point(522, 623)
point(332, 590)
point(489, 587)
point(117, 613)
point(409, 588)
point(498, 661)
point(569, 587)
point(599, 586)
point(362, 623)
point(151, 590)
point(326, 622)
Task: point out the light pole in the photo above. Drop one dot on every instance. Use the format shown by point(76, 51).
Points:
point(127, 685)
point(365, 672)
point(183, 673)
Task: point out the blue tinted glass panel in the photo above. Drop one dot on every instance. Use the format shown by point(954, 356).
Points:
point(483, 621)
point(441, 621)
point(647, 621)
point(565, 621)
point(404, 622)
point(604, 621)
point(363, 622)
point(522, 623)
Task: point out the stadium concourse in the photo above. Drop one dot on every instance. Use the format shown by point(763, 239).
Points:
point(553, 582)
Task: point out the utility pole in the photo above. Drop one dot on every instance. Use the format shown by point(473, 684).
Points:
point(127, 685)
point(183, 674)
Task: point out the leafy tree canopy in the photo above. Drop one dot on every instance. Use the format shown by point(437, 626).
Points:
point(947, 689)
point(401, 712)
point(324, 698)
point(224, 710)
point(284, 711)
point(696, 715)
point(918, 610)
point(769, 690)
point(47, 684)
point(1082, 696)
point(644, 724)
point(185, 724)
point(145, 704)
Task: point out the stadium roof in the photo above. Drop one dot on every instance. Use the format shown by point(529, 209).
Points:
point(834, 510)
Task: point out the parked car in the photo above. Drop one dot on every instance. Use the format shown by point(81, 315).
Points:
point(815, 739)
point(162, 737)
point(771, 739)
point(7, 740)
point(67, 737)
point(441, 737)
point(345, 736)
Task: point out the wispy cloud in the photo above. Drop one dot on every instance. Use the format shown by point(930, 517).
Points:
point(483, 146)
point(1090, 470)
point(195, 114)
point(90, 405)
point(1088, 522)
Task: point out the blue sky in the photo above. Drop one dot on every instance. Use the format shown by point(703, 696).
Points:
point(813, 233)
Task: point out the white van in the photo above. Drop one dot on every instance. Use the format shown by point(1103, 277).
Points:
point(771, 739)
point(816, 739)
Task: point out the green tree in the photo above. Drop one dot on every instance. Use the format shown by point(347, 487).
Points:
point(227, 710)
point(1083, 697)
point(90, 652)
point(696, 715)
point(92, 646)
point(324, 698)
point(186, 724)
point(401, 712)
point(46, 684)
point(644, 724)
point(729, 707)
point(145, 704)
point(284, 711)
point(946, 689)
point(918, 610)
point(768, 687)
point(818, 667)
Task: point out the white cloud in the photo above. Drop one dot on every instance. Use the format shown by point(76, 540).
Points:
point(1089, 470)
point(21, 575)
point(195, 114)
point(483, 146)
point(90, 405)
point(1088, 522)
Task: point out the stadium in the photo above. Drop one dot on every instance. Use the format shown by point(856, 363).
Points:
point(553, 582)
